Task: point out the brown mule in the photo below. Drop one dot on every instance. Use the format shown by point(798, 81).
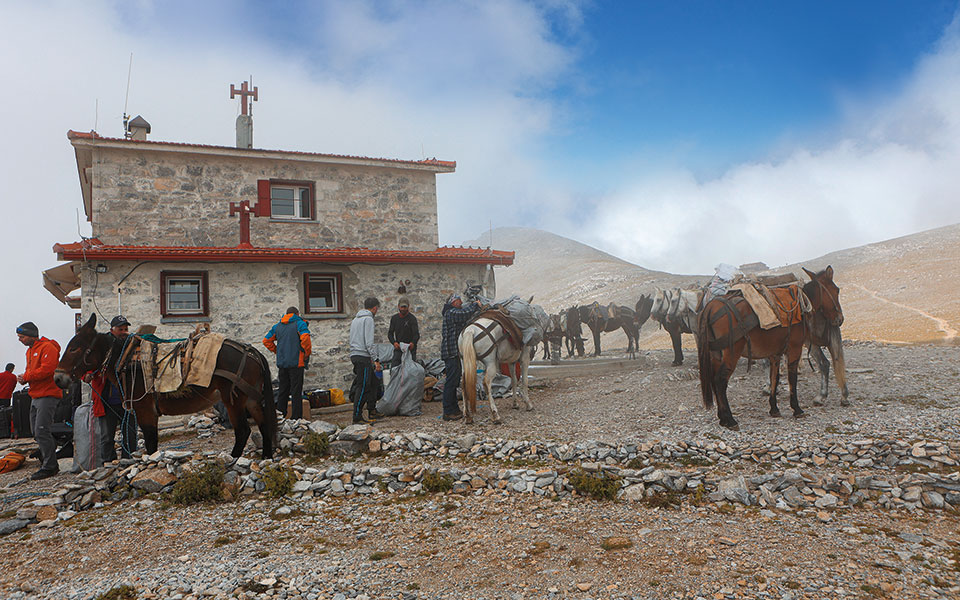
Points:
point(249, 392)
point(728, 329)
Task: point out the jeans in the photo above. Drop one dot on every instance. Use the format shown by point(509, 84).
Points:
point(291, 387)
point(454, 372)
point(127, 419)
point(41, 422)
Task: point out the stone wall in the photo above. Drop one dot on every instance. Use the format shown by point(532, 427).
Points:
point(247, 299)
point(162, 198)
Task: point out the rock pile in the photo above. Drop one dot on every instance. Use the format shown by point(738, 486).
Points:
point(885, 473)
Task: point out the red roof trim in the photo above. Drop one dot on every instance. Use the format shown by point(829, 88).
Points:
point(93, 135)
point(94, 249)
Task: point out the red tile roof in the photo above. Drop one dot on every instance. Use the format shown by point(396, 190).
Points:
point(430, 162)
point(94, 249)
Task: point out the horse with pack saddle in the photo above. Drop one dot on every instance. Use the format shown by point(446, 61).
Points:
point(507, 333)
point(676, 311)
point(767, 321)
point(178, 378)
point(604, 319)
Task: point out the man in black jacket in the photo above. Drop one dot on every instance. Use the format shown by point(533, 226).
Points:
point(403, 329)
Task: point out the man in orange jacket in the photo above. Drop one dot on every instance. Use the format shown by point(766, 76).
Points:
point(43, 355)
point(290, 341)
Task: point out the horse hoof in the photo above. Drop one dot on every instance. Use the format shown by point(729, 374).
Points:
point(844, 402)
point(676, 364)
point(818, 401)
point(497, 421)
point(733, 426)
point(799, 413)
point(775, 413)
point(468, 420)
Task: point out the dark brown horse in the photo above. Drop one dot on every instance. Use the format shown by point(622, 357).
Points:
point(728, 329)
point(573, 332)
point(241, 380)
point(604, 319)
point(824, 332)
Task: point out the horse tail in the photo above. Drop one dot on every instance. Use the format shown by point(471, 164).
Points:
point(469, 357)
point(703, 356)
point(266, 391)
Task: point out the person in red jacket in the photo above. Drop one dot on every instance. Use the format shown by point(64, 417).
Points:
point(43, 355)
point(8, 381)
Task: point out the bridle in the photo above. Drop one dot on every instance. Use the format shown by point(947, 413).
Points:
point(821, 292)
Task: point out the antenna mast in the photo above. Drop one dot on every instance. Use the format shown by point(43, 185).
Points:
point(126, 117)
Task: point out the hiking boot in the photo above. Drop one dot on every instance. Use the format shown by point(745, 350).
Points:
point(43, 474)
point(453, 417)
point(375, 415)
point(360, 421)
point(36, 454)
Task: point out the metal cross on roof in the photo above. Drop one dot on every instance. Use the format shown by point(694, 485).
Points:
point(244, 93)
point(243, 208)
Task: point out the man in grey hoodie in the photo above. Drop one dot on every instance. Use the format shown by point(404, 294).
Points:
point(365, 364)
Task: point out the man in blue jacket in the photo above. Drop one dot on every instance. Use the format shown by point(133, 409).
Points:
point(363, 355)
point(290, 341)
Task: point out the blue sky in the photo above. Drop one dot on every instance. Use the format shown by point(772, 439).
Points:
point(675, 135)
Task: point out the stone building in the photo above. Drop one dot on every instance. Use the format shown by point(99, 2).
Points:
point(187, 233)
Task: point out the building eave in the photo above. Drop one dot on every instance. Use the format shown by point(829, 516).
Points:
point(93, 250)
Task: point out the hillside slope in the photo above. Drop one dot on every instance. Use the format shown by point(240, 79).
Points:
point(903, 290)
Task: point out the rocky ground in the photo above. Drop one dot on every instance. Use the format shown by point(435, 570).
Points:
point(846, 502)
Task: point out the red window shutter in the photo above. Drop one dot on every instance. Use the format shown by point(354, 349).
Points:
point(263, 198)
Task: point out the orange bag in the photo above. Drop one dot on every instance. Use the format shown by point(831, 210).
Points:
point(11, 462)
point(336, 397)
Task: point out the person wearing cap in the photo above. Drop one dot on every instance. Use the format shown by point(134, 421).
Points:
point(363, 355)
point(404, 329)
point(43, 356)
point(290, 341)
point(111, 399)
point(8, 381)
point(455, 319)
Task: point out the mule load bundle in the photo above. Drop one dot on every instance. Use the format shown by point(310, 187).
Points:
point(177, 379)
point(505, 333)
point(760, 321)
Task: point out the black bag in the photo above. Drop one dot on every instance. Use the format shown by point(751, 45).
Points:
point(6, 421)
point(21, 414)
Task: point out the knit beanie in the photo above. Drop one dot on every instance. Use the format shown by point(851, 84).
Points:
point(28, 329)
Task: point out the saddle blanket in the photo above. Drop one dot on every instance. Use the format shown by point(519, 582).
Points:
point(169, 363)
point(775, 307)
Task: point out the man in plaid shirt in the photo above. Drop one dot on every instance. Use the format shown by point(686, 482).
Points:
point(455, 319)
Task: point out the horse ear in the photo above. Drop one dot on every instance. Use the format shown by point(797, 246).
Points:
point(829, 272)
point(809, 273)
point(530, 301)
point(91, 322)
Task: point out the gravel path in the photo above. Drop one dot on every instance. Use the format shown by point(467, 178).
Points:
point(499, 545)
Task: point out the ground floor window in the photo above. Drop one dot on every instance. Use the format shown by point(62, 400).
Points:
point(184, 294)
point(323, 293)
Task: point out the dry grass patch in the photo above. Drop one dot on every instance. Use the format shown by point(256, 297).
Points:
point(616, 543)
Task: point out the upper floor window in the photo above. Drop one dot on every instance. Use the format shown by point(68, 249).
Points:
point(184, 294)
point(323, 293)
point(292, 200)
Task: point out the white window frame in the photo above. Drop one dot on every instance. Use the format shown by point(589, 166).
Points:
point(297, 202)
point(337, 293)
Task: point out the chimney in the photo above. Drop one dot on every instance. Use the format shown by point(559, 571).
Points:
point(244, 131)
point(138, 128)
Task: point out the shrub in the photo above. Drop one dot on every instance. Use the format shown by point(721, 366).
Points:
point(278, 481)
point(435, 482)
point(121, 592)
point(616, 543)
point(602, 486)
point(202, 485)
point(316, 444)
point(380, 555)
